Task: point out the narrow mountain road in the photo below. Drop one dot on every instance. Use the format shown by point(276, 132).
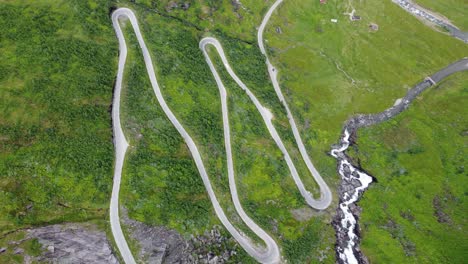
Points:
point(268, 254)
point(326, 196)
point(120, 143)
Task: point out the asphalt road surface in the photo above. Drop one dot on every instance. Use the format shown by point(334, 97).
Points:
point(268, 255)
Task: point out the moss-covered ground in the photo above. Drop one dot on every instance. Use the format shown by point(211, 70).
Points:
point(415, 213)
point(58, 61)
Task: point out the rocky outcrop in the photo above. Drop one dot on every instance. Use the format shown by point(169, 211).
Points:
point(212, 247)
point(62, 243)
point(73, 243)
point(158, 244)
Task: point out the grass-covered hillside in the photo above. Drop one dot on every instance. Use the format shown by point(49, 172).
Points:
point(57, 67)
point(161, 183)
point(416, 212)
point(332, 71)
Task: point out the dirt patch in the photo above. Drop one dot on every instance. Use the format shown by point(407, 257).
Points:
point(439, 205)
point(305, 213)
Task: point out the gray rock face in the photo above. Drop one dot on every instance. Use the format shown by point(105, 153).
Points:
point(162, 245)
point(212, 241)
point(158, 244)
point(73, 243)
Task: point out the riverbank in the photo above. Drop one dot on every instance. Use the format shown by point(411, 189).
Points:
point(354, 180)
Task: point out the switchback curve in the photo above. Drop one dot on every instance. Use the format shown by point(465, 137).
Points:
point(270, 254)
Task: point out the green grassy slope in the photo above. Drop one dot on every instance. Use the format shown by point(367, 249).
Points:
point(161, 184)
point(318, 60)
point(416, 211)
point(59, 150)
point(58, 61)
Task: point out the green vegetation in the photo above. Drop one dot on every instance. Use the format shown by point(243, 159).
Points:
point(168, 198)
point(161, 183)
point(416, 212)
point(8, 256)
point(56, 76)
point(318, 58)
point(454, 10)
point(225, 17)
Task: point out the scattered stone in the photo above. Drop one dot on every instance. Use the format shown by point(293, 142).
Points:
point(185, 6)
point(407, 215)
point(27, 259)
point(278, 30)
point(439, 205)
point(306, 124)
point(319, 29)
point(236, 4)
point(373, 27)
point(51, 249)
point(18, 251)
point(2, 250)
point(212, 241)
point(171, 5)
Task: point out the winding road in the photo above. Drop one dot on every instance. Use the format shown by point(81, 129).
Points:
point(325, 194)
point(268, 254)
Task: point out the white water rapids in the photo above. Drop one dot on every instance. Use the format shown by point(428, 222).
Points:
point(349, 221)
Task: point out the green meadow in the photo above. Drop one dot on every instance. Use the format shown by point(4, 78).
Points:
point(415, 213)
point(318, 61)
